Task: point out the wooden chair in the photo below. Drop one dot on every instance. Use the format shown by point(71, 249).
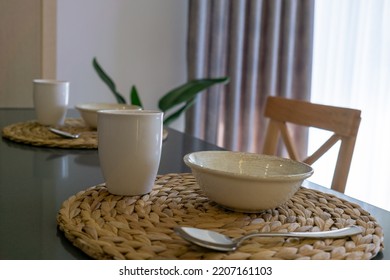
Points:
point(343, 122)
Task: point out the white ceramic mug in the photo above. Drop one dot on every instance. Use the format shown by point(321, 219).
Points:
point(51, 99)
point(129, 147)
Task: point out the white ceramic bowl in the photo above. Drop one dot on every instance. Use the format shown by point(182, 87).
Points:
point(247, 182)
point(89, 111)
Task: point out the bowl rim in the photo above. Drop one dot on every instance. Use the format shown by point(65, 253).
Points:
point(300, 176)
point(84, 107)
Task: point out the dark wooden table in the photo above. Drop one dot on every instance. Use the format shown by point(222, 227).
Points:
point(35, 181)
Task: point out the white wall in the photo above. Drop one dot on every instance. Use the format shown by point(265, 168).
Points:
point(139, 42)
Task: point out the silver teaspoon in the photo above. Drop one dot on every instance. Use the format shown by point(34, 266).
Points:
point(217, 241)
point(64, 133)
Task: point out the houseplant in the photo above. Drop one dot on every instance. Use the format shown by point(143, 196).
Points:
point(183, 95)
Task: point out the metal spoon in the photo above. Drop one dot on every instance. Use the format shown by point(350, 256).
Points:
point(217, 241)
point(64, 133)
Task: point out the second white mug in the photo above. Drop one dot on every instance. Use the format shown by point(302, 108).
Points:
point(129, 148)
point(51, 99)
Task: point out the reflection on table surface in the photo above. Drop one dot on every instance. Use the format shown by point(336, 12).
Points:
point(34, 182)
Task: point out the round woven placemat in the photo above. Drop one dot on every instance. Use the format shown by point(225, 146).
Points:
point(33, 133)
point(107, 226)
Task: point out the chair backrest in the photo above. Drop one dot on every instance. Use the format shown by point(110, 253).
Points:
point(343, 122)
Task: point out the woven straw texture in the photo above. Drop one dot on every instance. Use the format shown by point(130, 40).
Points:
point(107, 226)
point(33, 133)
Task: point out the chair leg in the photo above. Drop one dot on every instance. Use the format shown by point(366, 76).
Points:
point(271, 138)
point(292, 152)
point(343, 164)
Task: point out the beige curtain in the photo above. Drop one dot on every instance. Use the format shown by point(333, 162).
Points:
point(265, 47)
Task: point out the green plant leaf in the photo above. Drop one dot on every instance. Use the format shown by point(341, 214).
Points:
point(187, 92)
point(176, 114)
point(108, 81)
point(134, 97)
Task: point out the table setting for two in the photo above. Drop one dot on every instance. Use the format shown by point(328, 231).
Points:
point(233, 205)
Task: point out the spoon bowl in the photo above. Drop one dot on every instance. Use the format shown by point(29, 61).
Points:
point(217, 241)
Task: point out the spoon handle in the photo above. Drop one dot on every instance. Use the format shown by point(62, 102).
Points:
point(338, 233)
point(64, 133)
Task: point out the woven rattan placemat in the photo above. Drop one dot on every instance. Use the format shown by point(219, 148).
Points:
point(32, 133)
point(107, 226)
